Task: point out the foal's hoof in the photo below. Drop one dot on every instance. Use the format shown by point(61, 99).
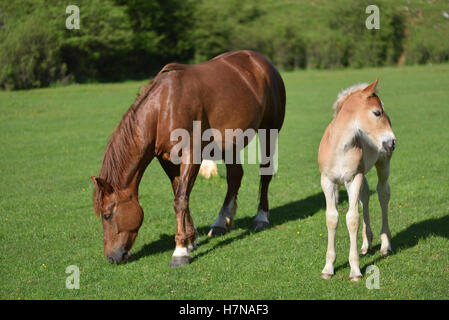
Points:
point(179, 261)
point(355, 278)
point(364, 251)
point(216, 231)
point(326, 276)
point(386, 252)
point(260, 225)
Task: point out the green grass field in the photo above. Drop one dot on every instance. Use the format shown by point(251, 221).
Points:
point(53, 139)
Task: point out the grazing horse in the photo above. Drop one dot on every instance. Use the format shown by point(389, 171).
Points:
point(235, 90)
point(358, 138)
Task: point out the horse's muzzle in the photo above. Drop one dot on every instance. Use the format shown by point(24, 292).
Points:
point(118, 256)
point(389, 145)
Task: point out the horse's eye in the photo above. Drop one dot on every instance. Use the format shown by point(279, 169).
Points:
point(107, 216)
point(377, 113)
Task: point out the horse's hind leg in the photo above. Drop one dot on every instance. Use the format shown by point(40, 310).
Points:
point(330, 190)
point(352, 222)
point(267, 169)
point(261, 221)
point(367, 234)
point(225, 220)
point(383, 193)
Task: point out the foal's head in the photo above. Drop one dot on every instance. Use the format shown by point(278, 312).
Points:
point(121, 216)
point(364, 106)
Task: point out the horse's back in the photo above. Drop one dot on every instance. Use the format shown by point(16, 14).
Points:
point(244, 85)
point(235, 90)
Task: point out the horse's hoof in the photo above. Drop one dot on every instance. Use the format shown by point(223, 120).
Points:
point(386, 252)
point(192, 247)
point(179, 261)
point(260, 225)
point(355, 278)
point(216, 231)
point(364, 251)
point(326, 276)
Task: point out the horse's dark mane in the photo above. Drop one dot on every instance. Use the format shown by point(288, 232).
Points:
point(124, 139)
point(117, 154)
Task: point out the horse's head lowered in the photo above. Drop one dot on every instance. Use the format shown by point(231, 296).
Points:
point(371, 121)
point(121, 216)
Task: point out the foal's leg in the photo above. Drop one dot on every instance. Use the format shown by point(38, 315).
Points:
point(185, 234)
point(330, 190)
point(383, 193)
point(225, 220)
point(352, 221)
point(367, 234)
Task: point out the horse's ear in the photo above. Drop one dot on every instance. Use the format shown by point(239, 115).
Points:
point(371, 88)
point(102, 184)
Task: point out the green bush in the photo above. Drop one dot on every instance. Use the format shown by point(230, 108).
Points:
point(99, 48)
point(30, 55)
point(161, 33)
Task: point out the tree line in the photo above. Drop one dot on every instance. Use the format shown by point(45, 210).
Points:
point(133, 39)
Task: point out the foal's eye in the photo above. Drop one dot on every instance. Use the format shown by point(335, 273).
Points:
point(107, 216)
point(377, 113)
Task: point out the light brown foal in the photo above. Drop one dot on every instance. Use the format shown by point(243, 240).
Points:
point(358, 138)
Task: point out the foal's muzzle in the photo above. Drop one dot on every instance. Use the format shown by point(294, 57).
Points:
point(389, 145)
point(118, 256)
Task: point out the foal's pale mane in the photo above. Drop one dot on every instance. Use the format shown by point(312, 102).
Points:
point(345, 93)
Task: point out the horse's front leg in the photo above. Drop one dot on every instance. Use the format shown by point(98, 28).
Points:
point(172, 172)
point(367, 234)
point(352, 222)
point(185, 233)
point(383, 193)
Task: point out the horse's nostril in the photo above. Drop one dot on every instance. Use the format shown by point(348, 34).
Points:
point(118, 256)
point(125, 256)
point(393, 144)
point(389, 145)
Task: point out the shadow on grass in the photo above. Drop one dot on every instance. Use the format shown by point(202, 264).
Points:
point(291, 211)
point(409, 238)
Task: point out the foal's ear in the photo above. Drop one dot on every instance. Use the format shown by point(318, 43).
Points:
point(371, 88)
point(102, 184)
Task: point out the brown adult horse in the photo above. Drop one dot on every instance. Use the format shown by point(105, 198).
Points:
point(235, 90)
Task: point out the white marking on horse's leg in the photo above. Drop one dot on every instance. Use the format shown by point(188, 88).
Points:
point(367, 234)
point(262, 216)
point(180, 257)
point(261, 220)
point(352, 223)
point(181, 252)
point(225, 218)
point(331, 193)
